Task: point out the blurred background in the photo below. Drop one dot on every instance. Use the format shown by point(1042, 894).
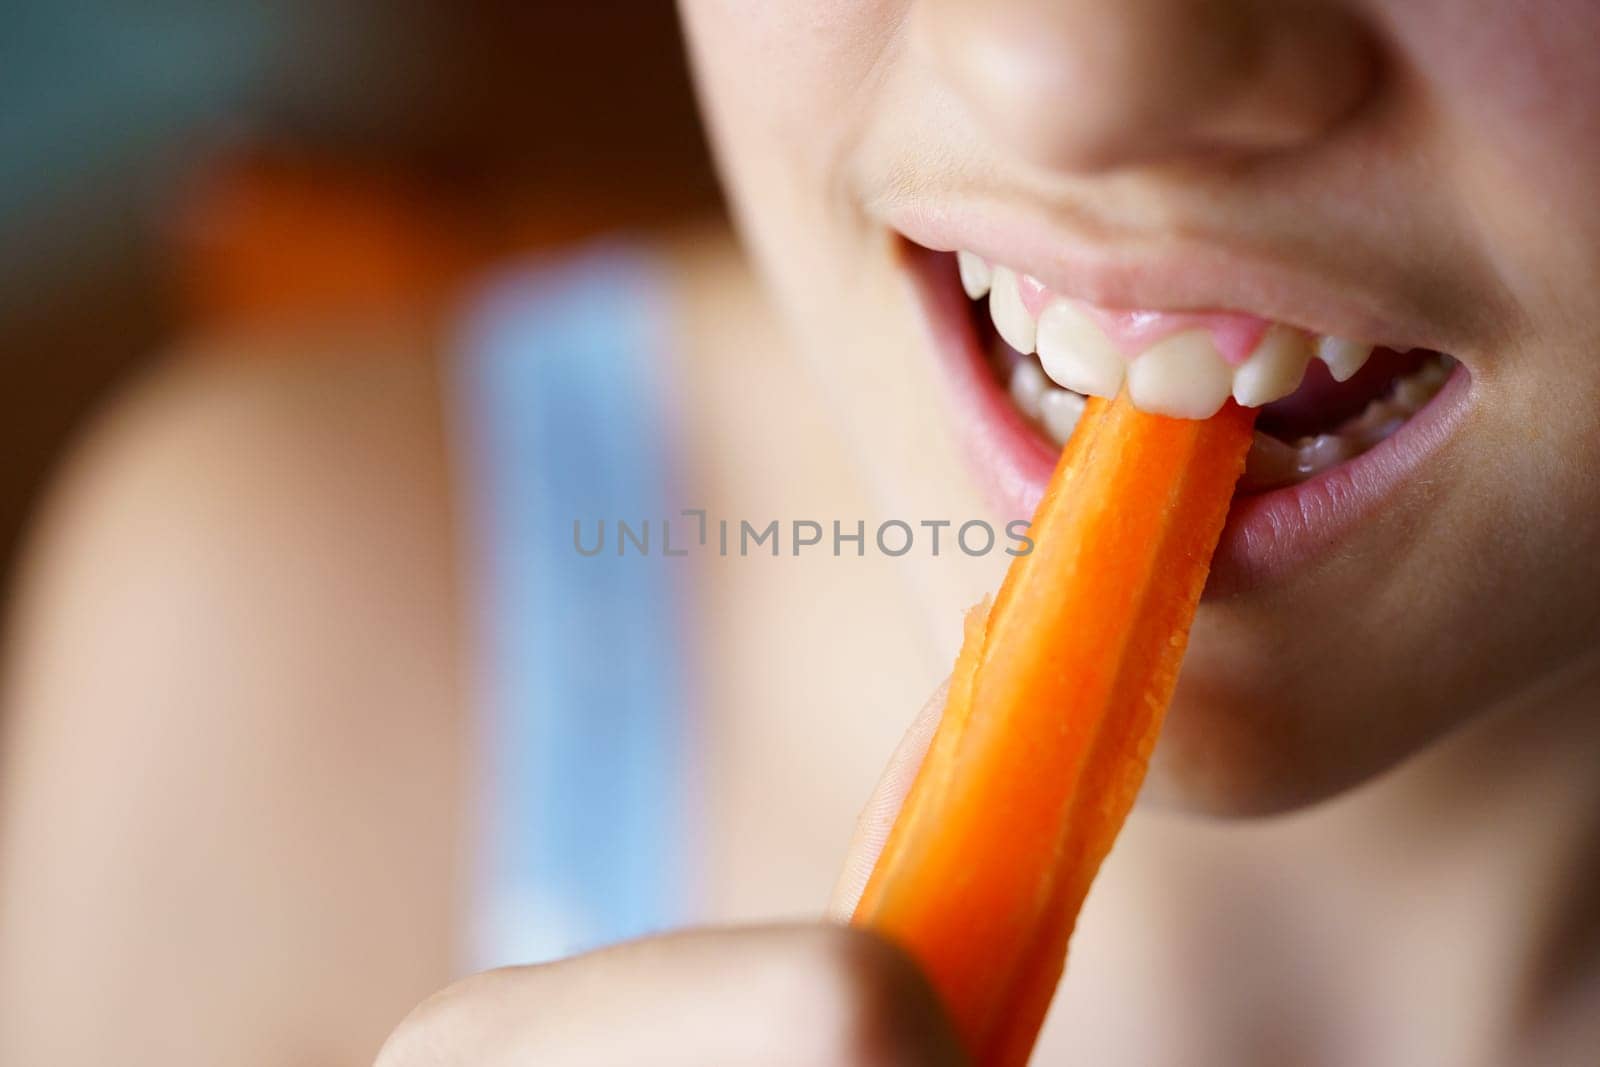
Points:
point(284, 616)
point(171, 166)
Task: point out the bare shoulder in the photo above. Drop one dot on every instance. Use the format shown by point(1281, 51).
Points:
point(232, 718)
point(281, 417)
point(285, 505)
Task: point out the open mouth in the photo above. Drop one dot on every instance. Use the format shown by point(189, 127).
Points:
point(1324, 400)
point(1342, 423)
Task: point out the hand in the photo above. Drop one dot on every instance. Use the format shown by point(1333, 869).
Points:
point(819, 995)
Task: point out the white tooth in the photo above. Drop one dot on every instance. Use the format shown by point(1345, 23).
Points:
point(1011, 319)
point(1413, 392)
point(1323, 451)
point(1379, 420)
point(1435, 372)
point(1270, 463)
point(975, 274)
point(1061, 411)
point(1028, 387)
point(1343, 357)
point(1076, 354)
point(1377, 412)
point(1386, 430)
point(1274, 369)
point(1183, 376)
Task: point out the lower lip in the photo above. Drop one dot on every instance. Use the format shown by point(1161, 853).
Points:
point(1269, 536)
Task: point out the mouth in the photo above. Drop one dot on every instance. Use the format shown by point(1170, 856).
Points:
point(1343, 427)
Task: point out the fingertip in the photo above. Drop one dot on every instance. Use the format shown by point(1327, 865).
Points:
point(877, 817)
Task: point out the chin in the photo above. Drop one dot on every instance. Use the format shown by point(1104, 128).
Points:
point(1266, 721)
point(1221, 757)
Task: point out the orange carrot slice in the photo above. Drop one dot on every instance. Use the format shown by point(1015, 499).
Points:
point(1053, 709)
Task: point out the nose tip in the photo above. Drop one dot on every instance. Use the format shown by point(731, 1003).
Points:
point(1089, 85)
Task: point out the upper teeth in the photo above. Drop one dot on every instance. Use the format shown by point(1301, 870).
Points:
point(1076, 354)
point(975, 274)
point(1011, 318)
point(1182, 375)
point(1343, 357)
point(1274, 369)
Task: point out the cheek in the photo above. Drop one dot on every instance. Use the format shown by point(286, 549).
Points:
point(785, 86)
point(823, 41)
point(786, 77)
point(1518, 89)
point(1521, 88)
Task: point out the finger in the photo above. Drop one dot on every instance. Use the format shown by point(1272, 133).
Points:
point(817, 994)
point(877, 818)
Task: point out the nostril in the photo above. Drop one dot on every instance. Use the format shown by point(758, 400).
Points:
point(1057, 91)
point(1302, 73)
point(1086, 86)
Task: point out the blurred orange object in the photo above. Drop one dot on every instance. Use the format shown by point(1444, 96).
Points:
point(267, 237)
point(262, 238)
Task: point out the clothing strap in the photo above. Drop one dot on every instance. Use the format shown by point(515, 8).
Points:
point(586, 828)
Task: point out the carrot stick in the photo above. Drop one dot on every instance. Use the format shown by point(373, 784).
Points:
point(1053, 710)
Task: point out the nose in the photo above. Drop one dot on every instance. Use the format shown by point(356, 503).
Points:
point(1096, 85)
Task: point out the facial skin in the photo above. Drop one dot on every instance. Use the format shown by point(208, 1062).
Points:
point(1423, 170)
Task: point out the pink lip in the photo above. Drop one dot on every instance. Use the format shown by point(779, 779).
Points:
point(1268, 536)
point(1195, 276)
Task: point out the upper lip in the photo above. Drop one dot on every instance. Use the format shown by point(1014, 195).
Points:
point(1169, 273)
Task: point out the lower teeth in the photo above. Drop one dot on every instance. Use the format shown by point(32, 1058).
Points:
point(1055, 411)
point(1274, 463)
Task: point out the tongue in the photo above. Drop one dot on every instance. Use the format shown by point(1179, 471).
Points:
point(1321, 404)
